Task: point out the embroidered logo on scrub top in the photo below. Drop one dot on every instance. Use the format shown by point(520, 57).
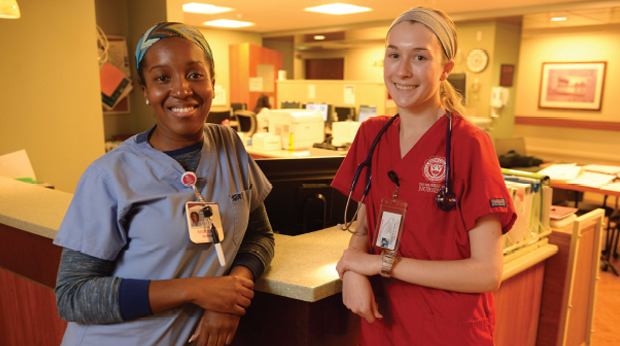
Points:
point(497, 202)
point(435, 172)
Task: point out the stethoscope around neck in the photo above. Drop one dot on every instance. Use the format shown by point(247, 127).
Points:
point(445, 198)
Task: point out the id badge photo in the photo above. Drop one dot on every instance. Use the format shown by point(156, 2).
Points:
point(199, 226)
point(390, 224)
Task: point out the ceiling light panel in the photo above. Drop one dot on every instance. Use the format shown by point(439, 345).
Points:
point(338, 9)
point(195, 7)
point(226, 23)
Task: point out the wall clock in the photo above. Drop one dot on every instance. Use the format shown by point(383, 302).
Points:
point(477, 60)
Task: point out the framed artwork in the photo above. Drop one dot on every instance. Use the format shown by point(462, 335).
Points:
point(572, 85)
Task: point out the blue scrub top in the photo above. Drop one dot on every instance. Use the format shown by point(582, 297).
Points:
point(129, 207)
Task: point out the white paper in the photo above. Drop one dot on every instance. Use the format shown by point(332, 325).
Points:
point(256, 84)
point(611, 187)
point(592, 179)
point(311, 91)
point(220, 96)
point(349, 94)
point(562, 172)
point(16, 165)
point(602, 169)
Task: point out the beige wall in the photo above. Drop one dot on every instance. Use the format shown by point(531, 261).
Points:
point(219, 40)
point(594, 43)
point(49, 89)
point(479, 35)
point(360, 64)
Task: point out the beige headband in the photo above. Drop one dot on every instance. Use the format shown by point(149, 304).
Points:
point(436, 23)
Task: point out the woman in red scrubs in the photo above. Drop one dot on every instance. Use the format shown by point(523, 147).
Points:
point(436, 288)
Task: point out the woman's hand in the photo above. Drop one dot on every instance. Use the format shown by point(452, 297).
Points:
point(215, 329)
point(358, 297)
point(229, 294)
point(226, 294)
point(359, 262)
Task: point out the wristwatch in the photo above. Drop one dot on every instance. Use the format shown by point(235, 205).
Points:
point(388, 259)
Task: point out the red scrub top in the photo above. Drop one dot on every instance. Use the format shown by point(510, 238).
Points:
point(417, 315)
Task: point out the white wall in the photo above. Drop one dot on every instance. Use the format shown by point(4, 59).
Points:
point(49, 89)
point(594, 43)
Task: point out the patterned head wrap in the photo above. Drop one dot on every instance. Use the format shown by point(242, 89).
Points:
point(435, 22)
point(171, 29)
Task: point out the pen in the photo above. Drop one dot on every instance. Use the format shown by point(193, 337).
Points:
point(207, 213)
point(218, 246)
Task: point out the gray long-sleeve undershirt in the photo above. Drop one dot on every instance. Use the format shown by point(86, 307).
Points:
point(87, 293)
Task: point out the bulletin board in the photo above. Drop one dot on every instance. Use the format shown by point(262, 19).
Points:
point(117, 102)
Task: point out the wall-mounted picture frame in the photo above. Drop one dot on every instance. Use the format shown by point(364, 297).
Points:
point(572, 85)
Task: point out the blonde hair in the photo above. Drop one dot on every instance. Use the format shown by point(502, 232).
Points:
point(451, 100)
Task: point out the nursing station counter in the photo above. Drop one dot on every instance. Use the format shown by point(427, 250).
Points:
point(288, 133)
point(298, 300)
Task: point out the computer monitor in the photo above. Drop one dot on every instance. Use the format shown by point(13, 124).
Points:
point(459, 82)
point(345, 113)
point(302, 199)
point(366, 112)
point(290, 104)
point(323, 108)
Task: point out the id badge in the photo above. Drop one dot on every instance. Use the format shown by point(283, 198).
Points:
point(199, 226)
point(390, 224)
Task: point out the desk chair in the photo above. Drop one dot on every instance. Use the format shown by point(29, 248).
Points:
point(218, 117)
point(238, 107)
point(246, 122)
point(609, 241)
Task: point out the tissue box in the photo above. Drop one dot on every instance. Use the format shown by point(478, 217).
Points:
point(265, 141)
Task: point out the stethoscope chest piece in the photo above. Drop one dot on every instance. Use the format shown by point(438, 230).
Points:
point(445, 200)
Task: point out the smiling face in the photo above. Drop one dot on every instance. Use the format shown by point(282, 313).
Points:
point(413, 67)
point(179, 88)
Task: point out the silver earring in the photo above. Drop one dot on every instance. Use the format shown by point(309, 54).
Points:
point(148, 102)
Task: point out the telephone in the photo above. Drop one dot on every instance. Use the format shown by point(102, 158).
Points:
point(499, 97)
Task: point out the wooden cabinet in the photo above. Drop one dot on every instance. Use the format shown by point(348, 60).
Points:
point(247, 62)
point(569, 287)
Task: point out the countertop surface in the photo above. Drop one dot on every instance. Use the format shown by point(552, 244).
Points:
point(303, 267)
point(32, 208)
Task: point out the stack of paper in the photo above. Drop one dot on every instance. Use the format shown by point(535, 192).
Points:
point(560, 212)
point(17, 165)
point(602, 169)
point(594, 180)
point(611, 187)
point(562, 173)
point(562, 216)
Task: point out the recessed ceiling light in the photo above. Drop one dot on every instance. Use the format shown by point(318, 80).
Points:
point(227, 23)
point(558, 19)
point(319, 37)
point(338, 9)
point(204, 8)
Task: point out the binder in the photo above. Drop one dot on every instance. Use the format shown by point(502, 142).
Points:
point(532, 201)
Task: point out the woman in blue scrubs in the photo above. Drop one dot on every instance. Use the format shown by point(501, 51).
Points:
point(129, 273)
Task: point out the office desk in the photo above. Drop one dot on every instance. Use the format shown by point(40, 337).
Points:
point(285, 154)
point(580, 188)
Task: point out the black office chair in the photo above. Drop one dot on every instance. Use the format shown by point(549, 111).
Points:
point(345, 113)
point(246, 122)
point(611, 245)
point(238, 107)
point(219, 117)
